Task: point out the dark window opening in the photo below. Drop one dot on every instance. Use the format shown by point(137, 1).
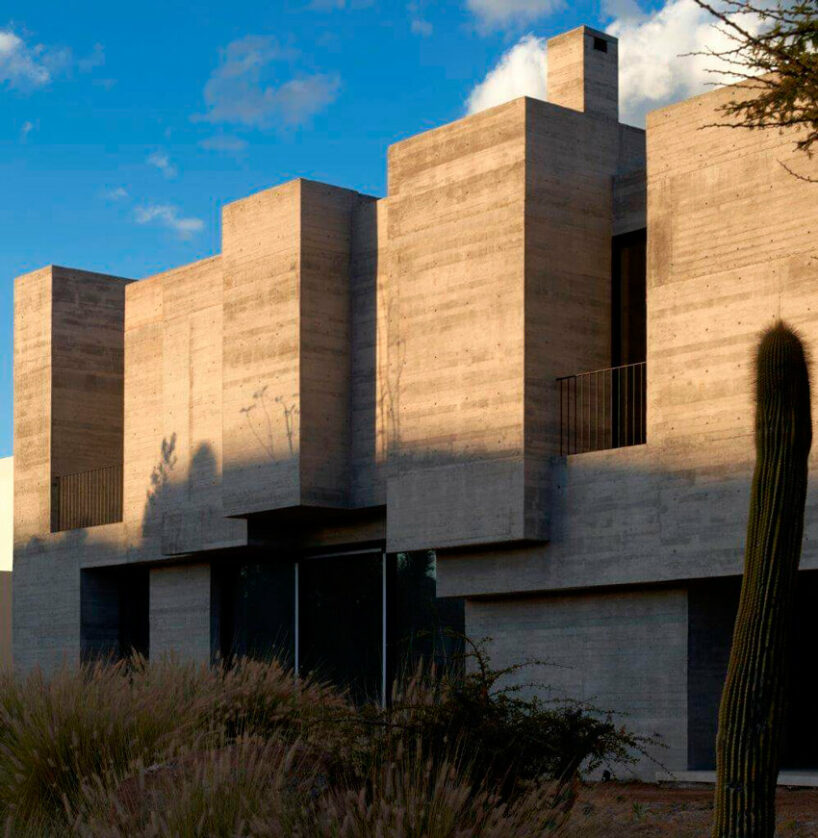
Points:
point(600, 45)
point(114, 613)
point(628, 307)
point(340, 625)
point(424, 628)
point(253, 607)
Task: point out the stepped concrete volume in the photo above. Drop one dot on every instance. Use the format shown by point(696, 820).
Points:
point(495, 362)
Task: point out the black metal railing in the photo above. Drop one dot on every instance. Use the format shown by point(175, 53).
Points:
point(86, 498)
point(602, 409)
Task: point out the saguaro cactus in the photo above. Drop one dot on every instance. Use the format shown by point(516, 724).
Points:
point(751, 714)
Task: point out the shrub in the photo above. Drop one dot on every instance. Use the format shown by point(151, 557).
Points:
point(211, 792)
point(510, 739)
point(169, 748)
point(103, 719)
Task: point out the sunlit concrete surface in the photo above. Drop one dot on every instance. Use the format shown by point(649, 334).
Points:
point(353, 372)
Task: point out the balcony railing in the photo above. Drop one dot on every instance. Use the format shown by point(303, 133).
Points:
point(86, 498)
point(602, 409)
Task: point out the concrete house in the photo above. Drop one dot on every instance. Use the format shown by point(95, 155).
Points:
point(513, 396)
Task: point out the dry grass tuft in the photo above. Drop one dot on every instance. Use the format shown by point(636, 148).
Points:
point(167, 748)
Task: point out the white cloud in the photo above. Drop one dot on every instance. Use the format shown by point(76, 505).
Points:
point(168, 216)
point(492, 14)
point(655, 64)
point(655, 68)
point(521, 71)
point(238, 93)
point(118, 193)
point(419, 25)
point(25, 129)
point(25, 66)
point(224, 142)
point(161, 161)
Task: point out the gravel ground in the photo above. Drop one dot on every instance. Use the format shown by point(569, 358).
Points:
point(646, 810)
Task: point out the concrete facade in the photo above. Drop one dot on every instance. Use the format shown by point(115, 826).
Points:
point(356, 373)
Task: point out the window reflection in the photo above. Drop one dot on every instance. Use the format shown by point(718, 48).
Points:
point(256, 611)
point(341, 616)
point(424, 627)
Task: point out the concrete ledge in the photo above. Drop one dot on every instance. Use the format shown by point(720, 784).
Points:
point(796, 779)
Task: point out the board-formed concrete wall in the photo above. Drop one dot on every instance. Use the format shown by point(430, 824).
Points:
point(288, 351)
point(621, 651)
point(180, 602)
point(173, 429)
point(732, 246)
point(499, 243)
point(456, 223)
point(68, 381)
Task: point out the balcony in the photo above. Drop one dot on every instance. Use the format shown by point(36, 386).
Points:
point(602, 409)
point(86, 499)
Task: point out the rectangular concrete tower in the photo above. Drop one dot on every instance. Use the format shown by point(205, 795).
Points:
point(583, 72)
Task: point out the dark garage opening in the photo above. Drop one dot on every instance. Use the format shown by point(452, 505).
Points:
point(712, 607)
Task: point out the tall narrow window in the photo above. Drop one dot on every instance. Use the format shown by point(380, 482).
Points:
point(628, 313)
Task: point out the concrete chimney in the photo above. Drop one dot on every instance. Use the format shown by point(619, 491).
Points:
point(583, 72)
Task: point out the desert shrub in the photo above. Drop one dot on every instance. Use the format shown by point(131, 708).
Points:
point(103, 719)
point(171, 748)
point(412, 795)
point(263, 698)
point(226, 790)
point(510, 737)
point(256, 788)
point(55, 732)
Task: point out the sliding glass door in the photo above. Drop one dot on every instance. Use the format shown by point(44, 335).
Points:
point(341, 618)
point(355, 618)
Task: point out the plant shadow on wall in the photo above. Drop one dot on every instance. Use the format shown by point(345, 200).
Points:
point(183, 504)
point(159, 481)
point(260, 421)
point(167, 748)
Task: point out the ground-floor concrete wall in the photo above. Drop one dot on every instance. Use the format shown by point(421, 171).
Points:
point(622, 651)
point(180, 611)
point(5, 620)
point(46, 608)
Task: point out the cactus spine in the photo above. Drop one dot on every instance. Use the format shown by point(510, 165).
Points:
point(751, 714)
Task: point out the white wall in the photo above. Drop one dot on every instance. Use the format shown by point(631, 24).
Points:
point(6, 511)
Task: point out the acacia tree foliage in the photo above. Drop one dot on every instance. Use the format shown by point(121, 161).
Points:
point(774, 56)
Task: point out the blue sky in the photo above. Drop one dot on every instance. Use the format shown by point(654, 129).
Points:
point(125, 127)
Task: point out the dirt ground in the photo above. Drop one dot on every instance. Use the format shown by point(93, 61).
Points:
point(646, 810)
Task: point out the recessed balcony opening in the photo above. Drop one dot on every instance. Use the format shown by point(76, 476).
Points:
point(606, 408)
point(86, 498)
point(602, 409)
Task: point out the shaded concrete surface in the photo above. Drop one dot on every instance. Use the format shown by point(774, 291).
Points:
point(352, 370)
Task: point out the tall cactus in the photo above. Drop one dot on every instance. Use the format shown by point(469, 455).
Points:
point(751, 714)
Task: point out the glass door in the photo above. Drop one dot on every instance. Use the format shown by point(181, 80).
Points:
point(341, 620)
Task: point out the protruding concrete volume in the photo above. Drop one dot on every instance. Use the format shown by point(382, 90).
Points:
point(371, 379)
